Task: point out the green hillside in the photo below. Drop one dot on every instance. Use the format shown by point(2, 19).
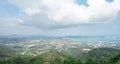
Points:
point(95, 56)
point(57, 58)
point(46, 58)
point(6, 51)
point(102, 53)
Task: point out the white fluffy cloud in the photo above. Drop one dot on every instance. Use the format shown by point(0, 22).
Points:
point(10, 22)
point(62, 13)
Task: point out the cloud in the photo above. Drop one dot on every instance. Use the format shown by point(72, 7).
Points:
point(66, 13)
point(10, 22)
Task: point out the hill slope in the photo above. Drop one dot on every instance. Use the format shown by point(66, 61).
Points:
point(6, 51)
point(102, 53)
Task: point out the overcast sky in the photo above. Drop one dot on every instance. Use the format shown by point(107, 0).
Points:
point(60, 17)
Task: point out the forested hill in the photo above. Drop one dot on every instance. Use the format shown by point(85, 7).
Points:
point(53, 57)
point(102, 53)
point(6, 51)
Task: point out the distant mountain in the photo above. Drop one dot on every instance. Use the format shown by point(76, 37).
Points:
point(18, 38)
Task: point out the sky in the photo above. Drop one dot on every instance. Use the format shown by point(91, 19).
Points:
point(60, 17)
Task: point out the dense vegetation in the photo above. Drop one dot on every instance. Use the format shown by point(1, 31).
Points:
point(57, 58)
point(102, 53)
point(6, 51)
point(95, 56)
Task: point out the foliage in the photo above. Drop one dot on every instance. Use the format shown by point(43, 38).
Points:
point(96, 56)
point(6, 51)
point(102, 53)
